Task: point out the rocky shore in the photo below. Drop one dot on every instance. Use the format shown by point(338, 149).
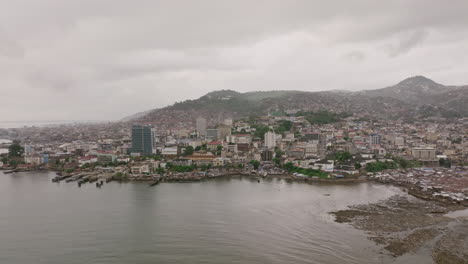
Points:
point(404, 224)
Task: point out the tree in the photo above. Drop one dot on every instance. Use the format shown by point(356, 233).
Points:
point(218, 150)
point(343, 155)
point(160, 171)
point(357, 165)
point(284, 126)
point(255, 164)
point(260, 130)
point(277, 161)
point(289, 166)
point(445, 163)
point(188, 151)
point(205, 167)
point(197, 148)
point(279, 153)
point(380, 166)
point(15, 149)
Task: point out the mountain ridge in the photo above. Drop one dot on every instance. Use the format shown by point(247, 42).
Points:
point(409, 98)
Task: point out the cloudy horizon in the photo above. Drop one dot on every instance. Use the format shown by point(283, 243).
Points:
point(105, 60)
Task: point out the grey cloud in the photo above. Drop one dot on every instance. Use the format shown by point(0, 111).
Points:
point(119, 57)
point(406, 42)
point(8, 47)
point(355, 56)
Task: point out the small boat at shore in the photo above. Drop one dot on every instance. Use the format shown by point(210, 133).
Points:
point(156, 182)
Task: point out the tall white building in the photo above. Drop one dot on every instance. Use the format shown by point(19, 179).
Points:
point(270, 139)
point(201, 126)
point(228, 122)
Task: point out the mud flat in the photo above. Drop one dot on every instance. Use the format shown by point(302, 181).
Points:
point(404, 224)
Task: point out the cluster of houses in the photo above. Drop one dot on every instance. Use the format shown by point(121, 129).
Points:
point(278, 139)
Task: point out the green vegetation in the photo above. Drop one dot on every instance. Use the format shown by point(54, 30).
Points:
point(343, 156)
point(260, 130)
point(308, 172)
point(277, 161)
point(15, 149)
point(402, 163)
point(278, 113)
point(255, 163)
point(445, 163)
point(160, 171)
point(284, 126)
point(180, 168)
point(395, 164)
point(205, 167)
point(119, 176)
point(220, 101)
point(322, 117)
point(380, 166)
point(279, 153)
point(188, 151)
point(15, 162)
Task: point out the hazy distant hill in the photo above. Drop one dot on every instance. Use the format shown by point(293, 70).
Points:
point(411, 98)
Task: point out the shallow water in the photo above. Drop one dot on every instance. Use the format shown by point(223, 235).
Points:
point(219, 221)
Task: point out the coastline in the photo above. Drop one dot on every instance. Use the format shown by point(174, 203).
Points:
point(412, 189)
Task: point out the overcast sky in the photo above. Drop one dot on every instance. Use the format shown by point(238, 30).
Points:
point(106, 59)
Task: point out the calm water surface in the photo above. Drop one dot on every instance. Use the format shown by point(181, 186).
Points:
point(220, 221)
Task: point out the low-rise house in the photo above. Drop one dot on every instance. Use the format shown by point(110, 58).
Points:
point(140, 169)
point(170, 151)
point(105, 157)
point(123, 160)
point(201, 158)
point(219, 162)
point(213, 145)
point(86, 160)
point(33, 159)
point(231, 148)
point(325, 165)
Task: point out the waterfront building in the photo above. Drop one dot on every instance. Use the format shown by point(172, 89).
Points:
point(425, 155)
point(267, 155)
point(142, 139)
point(140, 169)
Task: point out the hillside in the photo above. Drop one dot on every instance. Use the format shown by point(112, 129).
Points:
point(411, 98)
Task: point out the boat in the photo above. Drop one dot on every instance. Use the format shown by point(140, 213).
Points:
point(156, 182)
